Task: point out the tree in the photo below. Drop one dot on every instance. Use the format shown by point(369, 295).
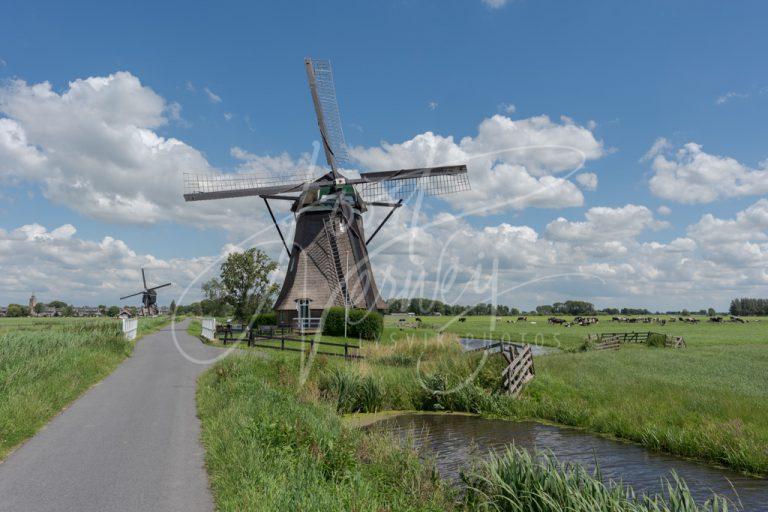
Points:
point(57, 304)
point(15, 310)
point(173, 306)
point(245, 278)
point(39, 307)
point(113, 311)
point(711, 312)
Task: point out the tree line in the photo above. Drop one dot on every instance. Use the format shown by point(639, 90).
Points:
point(749, 307)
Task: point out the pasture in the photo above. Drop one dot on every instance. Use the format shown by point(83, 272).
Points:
point(45, 363)
point(537, 330)
point(707, 401)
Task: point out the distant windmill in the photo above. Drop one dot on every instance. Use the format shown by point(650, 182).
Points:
point(148, 296)
point(329, 225)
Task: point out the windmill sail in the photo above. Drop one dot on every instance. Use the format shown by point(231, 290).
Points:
point(323, 90)
point(430, 181)
point(198, 187)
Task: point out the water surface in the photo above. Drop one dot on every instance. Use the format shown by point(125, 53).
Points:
point(455, 439)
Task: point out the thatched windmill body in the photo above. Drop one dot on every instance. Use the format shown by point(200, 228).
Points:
point(328, 258)
point(148, 296)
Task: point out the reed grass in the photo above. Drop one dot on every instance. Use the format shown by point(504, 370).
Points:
point(517, 480)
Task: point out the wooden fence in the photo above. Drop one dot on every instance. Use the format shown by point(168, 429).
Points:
point(612, 340)
point(519, 370)
point(269, 338)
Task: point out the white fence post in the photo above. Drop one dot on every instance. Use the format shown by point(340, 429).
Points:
point(209, 328)
point(130, 326)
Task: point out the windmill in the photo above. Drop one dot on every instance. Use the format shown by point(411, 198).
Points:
point(148, 296)
point(328, 259)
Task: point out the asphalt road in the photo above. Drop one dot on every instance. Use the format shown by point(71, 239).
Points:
point(131, 443)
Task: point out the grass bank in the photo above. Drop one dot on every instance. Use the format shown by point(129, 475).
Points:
point(708, 401)
point(269, 447)
point(46, 364)
point(274, 445)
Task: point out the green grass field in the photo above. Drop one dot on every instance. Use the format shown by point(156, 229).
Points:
point(537, 330)
point(274, 444)
point(47, 363)
point(707, 401)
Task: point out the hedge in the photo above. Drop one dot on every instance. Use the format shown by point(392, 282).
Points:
point(364, 324)
point(265, 319)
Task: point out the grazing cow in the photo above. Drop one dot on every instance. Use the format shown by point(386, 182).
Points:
point(462, 319)
point(737, 319)
point(523, 318)
point(716, 319)
point(555, 320)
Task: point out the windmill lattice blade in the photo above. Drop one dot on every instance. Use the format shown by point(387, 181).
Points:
point(144, 278)
point(198, 187)
point(329, 115)
point(430, 181)
point(160, 286)
point(132, 295)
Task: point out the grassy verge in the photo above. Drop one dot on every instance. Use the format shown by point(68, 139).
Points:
point(46, 364)
point(274, 445)
point(270, 448)
point(708, 401)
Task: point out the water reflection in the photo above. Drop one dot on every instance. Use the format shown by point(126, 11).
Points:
point(478, 343)
point(455, 439)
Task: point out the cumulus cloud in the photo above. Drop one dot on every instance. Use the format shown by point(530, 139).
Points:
point(690, 175)
point(95, 148)
point(588, 180)
point(664, 210)
point(495, 4)
point(602, 257)
point(513, 164)
point(56, 264)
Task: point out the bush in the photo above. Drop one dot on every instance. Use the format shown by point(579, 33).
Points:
point(364, 324)
point(265, 319)
point(656, 339)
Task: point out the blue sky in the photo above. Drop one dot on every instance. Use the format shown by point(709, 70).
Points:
point(629, 73)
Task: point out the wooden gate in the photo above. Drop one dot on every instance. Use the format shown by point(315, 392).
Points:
point(519, 370)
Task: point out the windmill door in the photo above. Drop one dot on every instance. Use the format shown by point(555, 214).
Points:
point(304, 312)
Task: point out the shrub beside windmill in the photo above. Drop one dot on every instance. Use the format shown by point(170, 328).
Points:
point(328, 258)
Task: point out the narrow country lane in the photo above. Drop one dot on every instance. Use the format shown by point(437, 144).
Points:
point(129, 444)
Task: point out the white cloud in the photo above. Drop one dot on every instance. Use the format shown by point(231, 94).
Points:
point(512, 163)
point(507, 108)
point(664, 210)
point(716, 260)
point(228, 116)
point(94, 148)
point(55, 264)
point(729, 96)
point(495, 4)
point(689, 175)
point(588, 180)
point(212, 96)
point(432, 105)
